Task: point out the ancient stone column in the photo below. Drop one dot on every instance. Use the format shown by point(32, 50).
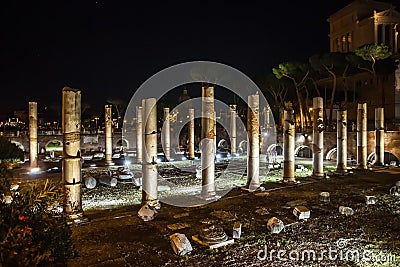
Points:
point(379, 137)
point(191, 133)
point(318, 137)
point(253, 145)
point(149, 166)
point(341, 141)
point(33, 141)
point(267, 117)
point(362, 136)
point(233, 132)
point(108, 133)
point(207, 143)
point(71, 160)
point(215, 131)
point(288, 145)
point(166, 135)
point(139, 140)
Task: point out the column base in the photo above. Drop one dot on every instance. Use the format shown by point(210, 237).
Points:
point(290, 181)
point(251, 187)
point(77, 218)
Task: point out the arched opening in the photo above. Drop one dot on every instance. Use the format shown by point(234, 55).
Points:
point(332, 154)
point(222, 144)
point(303, 152)
point(388, 159)
point(242, 148)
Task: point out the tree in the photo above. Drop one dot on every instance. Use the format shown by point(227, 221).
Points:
point(298, 74)
point(120, 105)
point(333, 65)
point(373, 53)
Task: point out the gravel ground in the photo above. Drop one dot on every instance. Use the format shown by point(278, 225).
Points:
point(116, 236)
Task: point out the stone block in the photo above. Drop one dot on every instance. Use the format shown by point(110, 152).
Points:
point(346, 211)
point(237, 230)
point(324, 197)
point(275, 225)
point(147, 213)
point(370, 200)
point(180, 244)
point(301, 212)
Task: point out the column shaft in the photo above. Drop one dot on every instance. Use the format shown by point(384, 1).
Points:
point(253, 145)
point(149, 146)
point(207, 142)
point(362, 136)
point(33, 142)
point(341, 141)
point(318, 137)
point(288, 145)
point(191, 133)
point(108, 132)
point(379, 137)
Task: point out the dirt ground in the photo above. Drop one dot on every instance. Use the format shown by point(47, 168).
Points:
point(370, 237)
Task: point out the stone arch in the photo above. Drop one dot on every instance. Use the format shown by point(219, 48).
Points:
point(122, 144)
point(275, 148)
point(303, 151)
point(388, 157)
point(54, 146)
point(18, 144)
point(242, 147)
point(222, 144)
point(331, 154)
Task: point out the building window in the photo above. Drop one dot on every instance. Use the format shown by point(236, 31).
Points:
point(380, 30)
point(337, 48)
point(349, 42)
point(344, 45)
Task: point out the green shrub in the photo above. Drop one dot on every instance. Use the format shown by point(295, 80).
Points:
point(32, 231)
point(10, 151)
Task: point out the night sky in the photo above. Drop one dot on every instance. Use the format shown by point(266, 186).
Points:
point(109, 48)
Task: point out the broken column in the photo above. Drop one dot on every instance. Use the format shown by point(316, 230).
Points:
point(341, 141)
point(108, 132)
point(362, 136)
point(71, 160)
point(166, 135)
point(318, 137)
point(33, 141)
point(149, 148)
point(139, 136)
point(288, 146)
point(253, 145)
point(379, 137)
point(191, 133)
point(207, 143)
point(233, 131)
